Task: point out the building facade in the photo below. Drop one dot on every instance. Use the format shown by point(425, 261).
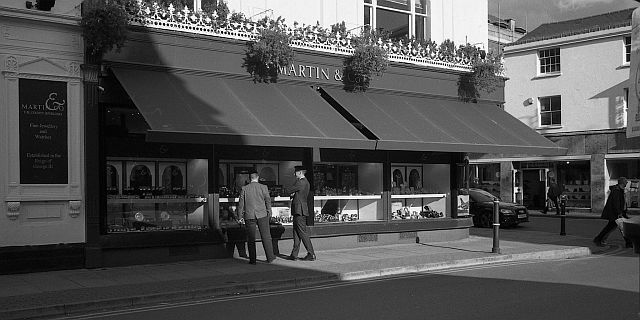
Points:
point(569, 81)
point(137, 157)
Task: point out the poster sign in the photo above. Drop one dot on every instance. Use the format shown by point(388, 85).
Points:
point(463, 205)
point(43, 132)
point(633, 112)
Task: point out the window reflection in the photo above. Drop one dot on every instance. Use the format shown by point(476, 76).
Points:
point(395, 23)
point(171, 179)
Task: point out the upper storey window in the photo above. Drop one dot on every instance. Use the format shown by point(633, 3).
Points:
point(627, 49)
point(549, 60)
point(400, 18)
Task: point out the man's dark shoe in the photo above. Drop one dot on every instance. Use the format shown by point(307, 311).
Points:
point(271, 260)
point(291, 257)
point(252, 262)
point(599, 243)
point(309, 257)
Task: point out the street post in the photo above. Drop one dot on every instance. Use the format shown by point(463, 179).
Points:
point(496, 226)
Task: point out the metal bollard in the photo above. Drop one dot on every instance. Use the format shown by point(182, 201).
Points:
point(563, 207)
point(496, 226)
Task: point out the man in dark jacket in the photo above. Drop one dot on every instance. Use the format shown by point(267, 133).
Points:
point(554, 192)
point(300, 211)
point(614, 208)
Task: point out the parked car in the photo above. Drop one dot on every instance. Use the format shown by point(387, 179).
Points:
point(481, 209)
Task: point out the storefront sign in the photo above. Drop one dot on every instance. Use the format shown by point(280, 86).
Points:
point(633, 103)
point(311, 72)
point(43, 132)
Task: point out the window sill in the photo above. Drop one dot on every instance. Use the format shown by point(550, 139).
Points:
point(549, 127)
point(547, 75)
point(624, 66)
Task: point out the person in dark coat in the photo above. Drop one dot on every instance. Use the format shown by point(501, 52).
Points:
point(300, 211)
point(254, 206)
point(614, 208)
point(554, 192)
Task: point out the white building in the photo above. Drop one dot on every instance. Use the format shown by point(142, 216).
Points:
point(568, 81)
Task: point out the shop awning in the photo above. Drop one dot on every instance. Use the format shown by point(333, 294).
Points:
point(417, 123)
point(197, 108)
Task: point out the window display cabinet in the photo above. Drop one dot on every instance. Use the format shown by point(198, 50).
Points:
point(419, 191)
point(347, 192)
point(156, 195)
point(234, 174)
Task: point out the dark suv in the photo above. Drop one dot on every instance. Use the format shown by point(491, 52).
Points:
point(481, 208)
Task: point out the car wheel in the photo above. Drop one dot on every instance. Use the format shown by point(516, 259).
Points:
point(485, 220)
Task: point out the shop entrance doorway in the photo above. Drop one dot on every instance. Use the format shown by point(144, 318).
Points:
point(534, 185)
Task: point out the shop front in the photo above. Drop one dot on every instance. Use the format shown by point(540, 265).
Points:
point(181, 124)
point(527, 182)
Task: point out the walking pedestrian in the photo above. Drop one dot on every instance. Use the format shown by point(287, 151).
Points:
point(300, 211)
point(255, 207)
point(614, 209)
point(553, 194)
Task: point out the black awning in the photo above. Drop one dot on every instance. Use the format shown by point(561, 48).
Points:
point(197, 108)
point(427, 124)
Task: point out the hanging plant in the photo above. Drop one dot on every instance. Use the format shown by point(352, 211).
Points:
point(368, 60)
point(104, 25)
point(486, 76)
point(272, 50)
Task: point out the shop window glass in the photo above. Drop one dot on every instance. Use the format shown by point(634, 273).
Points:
point(172, 179)
point(550, 111)
point(574, 179)
point(347, 192)
point(174, 201)
point(113, 178)
point(419, 191)
point(277, 175)
point(486, 177)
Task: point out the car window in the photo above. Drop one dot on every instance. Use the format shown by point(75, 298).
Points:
point(480, 196)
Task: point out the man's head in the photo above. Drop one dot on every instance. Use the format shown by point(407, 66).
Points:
point(254, 176)
point(622, 182)
point(300, 171)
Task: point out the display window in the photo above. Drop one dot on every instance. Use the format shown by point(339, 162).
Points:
point(486, 177)
point(420, 191)
point(347, 192)
point(574, 178)
point(156, 194)
point(276, 175)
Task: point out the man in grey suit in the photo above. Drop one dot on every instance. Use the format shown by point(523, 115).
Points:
point(255, 206)
point(300, 211)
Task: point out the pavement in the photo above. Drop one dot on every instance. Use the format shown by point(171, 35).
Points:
point(74, 292)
